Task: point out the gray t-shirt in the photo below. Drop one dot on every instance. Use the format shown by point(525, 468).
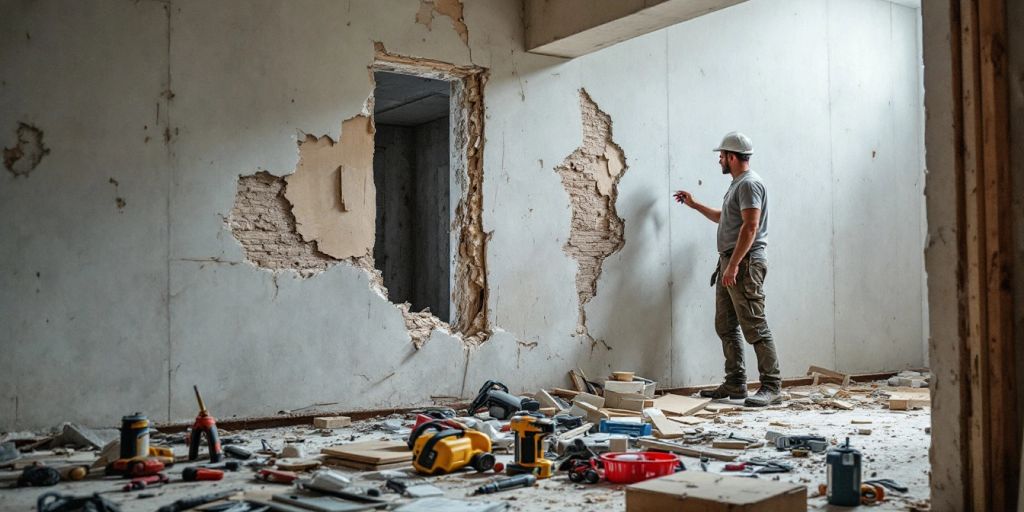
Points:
point(746, 191)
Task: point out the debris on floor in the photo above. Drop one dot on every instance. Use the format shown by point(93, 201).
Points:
point(612, 445)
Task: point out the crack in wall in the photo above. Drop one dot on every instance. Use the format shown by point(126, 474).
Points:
point(26, 154)
point(591, 176)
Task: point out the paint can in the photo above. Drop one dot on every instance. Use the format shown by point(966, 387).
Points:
point(843, 467)
point(134, 436)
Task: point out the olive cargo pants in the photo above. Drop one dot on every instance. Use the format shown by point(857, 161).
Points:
point(739, 315)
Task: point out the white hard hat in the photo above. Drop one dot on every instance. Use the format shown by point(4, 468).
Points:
point(737, 143)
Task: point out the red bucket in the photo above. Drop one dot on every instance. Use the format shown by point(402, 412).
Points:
point(630, 467)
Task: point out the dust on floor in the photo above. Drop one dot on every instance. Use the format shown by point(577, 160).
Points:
point(896, 448)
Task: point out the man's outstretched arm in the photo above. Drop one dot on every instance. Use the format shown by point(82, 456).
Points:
point(713, 214)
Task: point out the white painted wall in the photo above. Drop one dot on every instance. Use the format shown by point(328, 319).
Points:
point(132, 307)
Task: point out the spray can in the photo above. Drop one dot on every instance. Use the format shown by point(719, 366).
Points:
point(843, 466)
point(134, 436)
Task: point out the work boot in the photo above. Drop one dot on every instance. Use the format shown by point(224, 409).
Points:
point(764, 397)
point(726, 390)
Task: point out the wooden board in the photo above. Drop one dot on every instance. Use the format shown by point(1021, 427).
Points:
point(365, 466)
point(723, 408)
point(372, 452)
point(902, 401)
point(666, 446)
point(666, 429)
point(678, 405)
point(332, 421)
point(297, 464)
point(729, 444)
point(546, 400)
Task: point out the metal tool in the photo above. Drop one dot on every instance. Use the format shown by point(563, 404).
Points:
point(816, 444)
point(500, 404)
point(504, 484)
point(205, 424)
point(195, 501)
point(843, 473)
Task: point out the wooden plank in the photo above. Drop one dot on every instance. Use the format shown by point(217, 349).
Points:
point(546, 400)
point(332, 421)
point(666, 446)
point(373, 452)
point(365, 466)
point(729, 444)
point(576, 432)
point(687, 420)
point(679, 405)
point(666, 429)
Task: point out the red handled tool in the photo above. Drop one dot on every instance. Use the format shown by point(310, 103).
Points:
point(196, 474)
point(143, 482)
point(205, 424)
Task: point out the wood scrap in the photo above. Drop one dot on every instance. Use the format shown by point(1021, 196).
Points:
point(679, 405)
point(297, 464)
point(365, 466)
point(840, 404)
point(719, 408)
point(548, 401)
point(909, 398)
point(666, 446)
point(687, 420)
point(729, 444)
point(564, 393)
point(820, 374)
point(665, 429)
point(372, 452)
point(332, 421)
point(576, 432)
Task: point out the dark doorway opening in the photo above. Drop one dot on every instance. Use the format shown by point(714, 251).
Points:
point(411, 171)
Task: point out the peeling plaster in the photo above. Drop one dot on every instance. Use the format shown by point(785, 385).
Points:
point(591, 175)
point(262, 222)
point(332, 192)
point(26, 154)
point(450, 8)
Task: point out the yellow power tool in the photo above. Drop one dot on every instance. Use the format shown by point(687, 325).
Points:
point(530, 432)
point(438, 449)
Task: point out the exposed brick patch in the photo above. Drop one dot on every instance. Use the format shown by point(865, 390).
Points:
point(262, 222)
point(26, 154)
point(591, 175)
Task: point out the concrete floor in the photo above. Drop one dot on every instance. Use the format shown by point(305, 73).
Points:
point(896, 448)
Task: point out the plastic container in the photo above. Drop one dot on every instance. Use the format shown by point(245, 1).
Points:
point(631, 467)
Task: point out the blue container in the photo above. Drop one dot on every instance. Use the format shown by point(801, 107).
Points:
point(629, 428)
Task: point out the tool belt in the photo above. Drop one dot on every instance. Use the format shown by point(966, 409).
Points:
point(718, 266)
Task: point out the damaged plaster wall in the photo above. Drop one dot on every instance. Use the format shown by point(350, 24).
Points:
point(163, 286)
point(590, 176)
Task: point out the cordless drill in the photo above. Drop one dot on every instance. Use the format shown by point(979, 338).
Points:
point(530, 432)
point(205, 424)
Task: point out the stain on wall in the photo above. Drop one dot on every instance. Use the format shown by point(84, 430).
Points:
point(27, 152)
point(450, 8)
point(263, 224)
point(591, 175)
point(332, 192)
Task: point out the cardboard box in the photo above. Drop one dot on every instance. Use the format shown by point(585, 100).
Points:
point(696, 491)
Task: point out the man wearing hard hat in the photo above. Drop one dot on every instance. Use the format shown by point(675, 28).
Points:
point(739, 276)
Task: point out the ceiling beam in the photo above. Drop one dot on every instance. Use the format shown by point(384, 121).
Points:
point(571, 28)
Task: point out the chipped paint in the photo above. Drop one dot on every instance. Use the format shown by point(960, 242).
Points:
point(332, 192)
point(262, 222)
point(25, 155)
point(591, 175)
point(450, 8)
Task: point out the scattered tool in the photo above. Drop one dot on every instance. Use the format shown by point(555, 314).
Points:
point(204, 425)
point(449, 449)
point(816, 444)
point(504, 484)
point(500, 404)
point(131, 468)
point(843, 472)
point(195, 501)
point(530, 433)
point(277, 476)
point(38, 476)
point(143, 482)
point(54, 502)
point(73, 473)
point(890, 484)
point(588, 471)
point(237, 452)
point(197, 474)
point(576, 451)
point(224, 466)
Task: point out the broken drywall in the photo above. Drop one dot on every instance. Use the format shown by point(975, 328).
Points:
point(591, 175)
point(27, 152)
point(263, 224)
point(450, 8)
point(332, 192)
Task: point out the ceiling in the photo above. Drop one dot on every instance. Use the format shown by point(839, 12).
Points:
point(406, 100)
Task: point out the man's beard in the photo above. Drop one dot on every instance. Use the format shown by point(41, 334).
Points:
point(725, 168)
